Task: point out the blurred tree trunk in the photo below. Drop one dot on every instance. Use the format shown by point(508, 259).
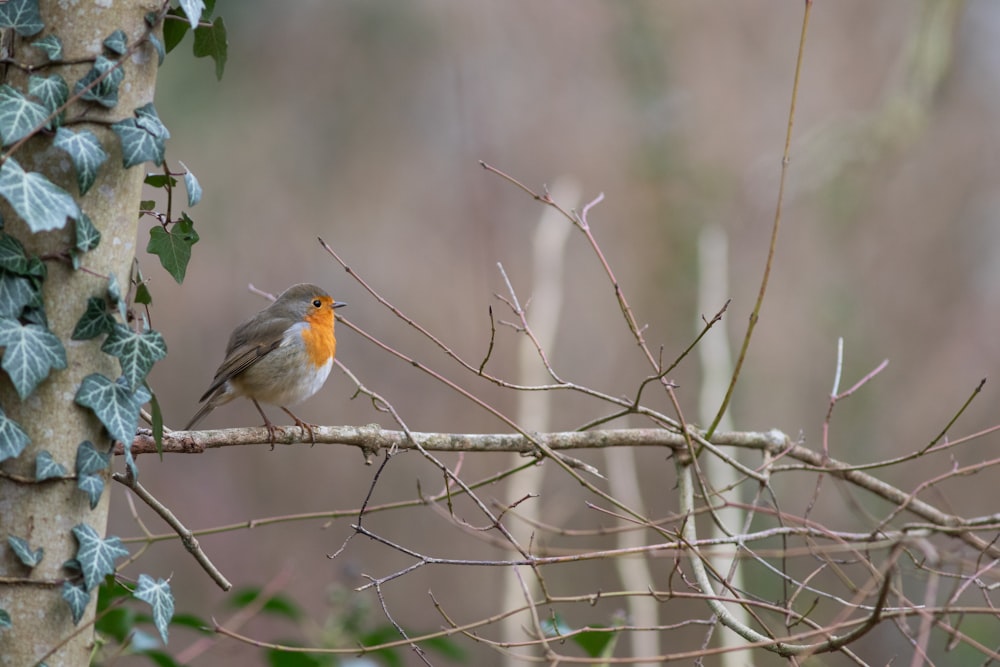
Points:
point(45, 513)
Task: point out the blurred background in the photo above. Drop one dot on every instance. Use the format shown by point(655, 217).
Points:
point(363, 121)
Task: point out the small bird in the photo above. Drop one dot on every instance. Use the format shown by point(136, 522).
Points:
point(282, 356)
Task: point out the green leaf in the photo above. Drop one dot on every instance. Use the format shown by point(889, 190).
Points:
point(116, 406)
point(193, 622)
point(51, 45)
point(77, 597)
point(89, 460)
point(157, 414)
point(143, 295)
point(596, 643)
point(13, 257)
point(96, 320)
point(192, 186)
point(36, 268)
point(174, 30)
point(192, 9)
point(116, 42)
point(135, 352)
point(161, 53)
point(46, 467)
point(5, 620)
point(87, 236)
point(13, 440)
point(86, 153)
point(105, 92)
point(211, 41)
point(160, 181)
point(111, 589)
point(276, 605)
point(16, 292)
point(93, 486)
point(19, 116)
point(115, 294)
point(21, 15)
point(52, 92)
point(23, 551)
point(31, 352)
point(117, 623)
point(147, 205)
point(173, 247)
point(143, 137)
point(96, 556)
point(157, 594)
point(43, 205)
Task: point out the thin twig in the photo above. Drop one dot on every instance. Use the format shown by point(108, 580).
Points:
point(187, 538)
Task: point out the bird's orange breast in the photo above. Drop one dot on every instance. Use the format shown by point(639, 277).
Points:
point(320, 343)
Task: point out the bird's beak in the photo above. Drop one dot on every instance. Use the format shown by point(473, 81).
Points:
point(339, 304)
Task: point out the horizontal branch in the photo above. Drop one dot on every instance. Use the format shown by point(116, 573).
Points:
point(373, 438)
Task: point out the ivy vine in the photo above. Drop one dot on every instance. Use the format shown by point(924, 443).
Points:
point(30, 350)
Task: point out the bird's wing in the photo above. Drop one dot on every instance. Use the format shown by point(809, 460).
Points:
point(241, 353)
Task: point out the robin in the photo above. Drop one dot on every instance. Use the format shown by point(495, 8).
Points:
point(282, 356)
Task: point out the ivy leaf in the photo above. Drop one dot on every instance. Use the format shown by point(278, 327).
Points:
point(93, 486)
point(77, 597)
point(89, 460)
point(161, 52)
point(23, 551)
point(96, 556)
point(193, 9)
point(43, 205)
point(12, 256)
point(19, 116)
point(51, 45)
point(143, 295)
point(86, 153)
point(115, 294)
point(21, 15)
point(192, 186)
point(36, 268)
point(142, 137)
point(157, 414)
point(16, 292)
point(105, 92)
point(46, 467)
point(116, 406)
point(174, 247)
point(174, 31)
point(52, 92)
point(13, 439)
point(32, 351)
point(157, 594)
point(136, 352)
point(211, 41)
point(5, 620)
point(116, 42)
point(160, 181)
point(87, 235)
point(96, 320)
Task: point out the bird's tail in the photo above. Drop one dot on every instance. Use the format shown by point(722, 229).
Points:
point(221, 396)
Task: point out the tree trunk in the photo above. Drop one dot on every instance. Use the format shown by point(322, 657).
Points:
point(45, 513)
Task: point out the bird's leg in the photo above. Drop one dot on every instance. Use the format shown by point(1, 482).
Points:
point(301, 424)
point(271, 428)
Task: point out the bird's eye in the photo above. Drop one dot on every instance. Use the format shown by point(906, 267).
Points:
point(317, 303)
